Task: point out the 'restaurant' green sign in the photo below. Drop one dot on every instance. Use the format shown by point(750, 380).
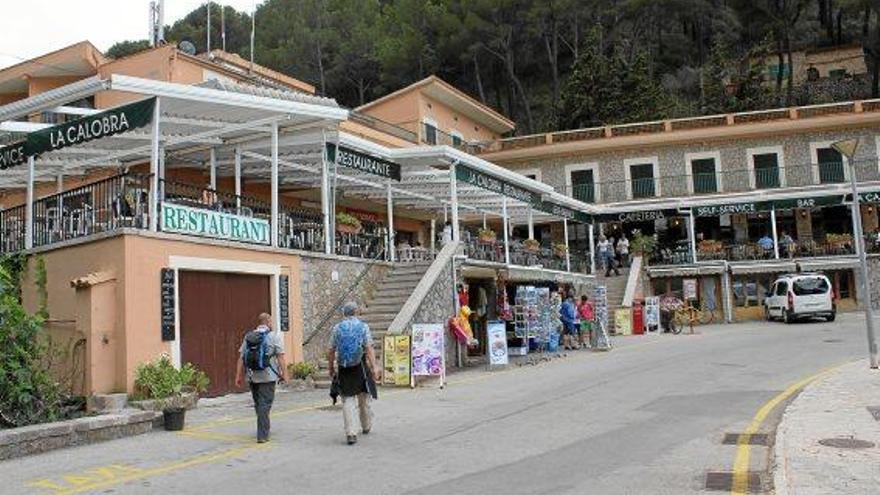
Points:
point(111, 122)
point(494, 184)
point(215, 224)
point(349, 158)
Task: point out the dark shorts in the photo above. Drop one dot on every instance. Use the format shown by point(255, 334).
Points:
point(352, 381)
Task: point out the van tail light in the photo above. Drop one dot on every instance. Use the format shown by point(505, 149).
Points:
point(834, 295)
point(790, 302)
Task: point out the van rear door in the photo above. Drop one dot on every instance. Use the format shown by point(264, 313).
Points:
point(812, 294)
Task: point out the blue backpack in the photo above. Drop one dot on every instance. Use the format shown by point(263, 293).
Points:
point(350, 343)
point(256, 355)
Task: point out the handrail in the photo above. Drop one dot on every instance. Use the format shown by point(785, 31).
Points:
point(341, 300)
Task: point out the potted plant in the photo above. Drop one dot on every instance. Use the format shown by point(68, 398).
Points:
point(531, 245)
point(643, 245)
point(560, 250)
point(303, 374)
point(486, 235)
point(170, 388)
point(347, 224)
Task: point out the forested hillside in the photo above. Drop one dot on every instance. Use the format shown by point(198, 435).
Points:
point(552, 64)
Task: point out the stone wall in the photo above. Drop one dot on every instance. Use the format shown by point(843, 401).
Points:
point(874, 273)
point(796, 159)
point(320, 293)
point(438, 306)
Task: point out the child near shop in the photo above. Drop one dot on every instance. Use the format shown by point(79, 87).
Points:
point(585, 313)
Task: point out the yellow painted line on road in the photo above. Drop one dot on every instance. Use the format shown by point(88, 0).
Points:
point(740, 485)
point(138, 474)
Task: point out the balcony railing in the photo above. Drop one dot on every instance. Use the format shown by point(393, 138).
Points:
point(644, 188)
point(705, 183)
point(767, 178)
point(831, 173)
point(584, 192)
point(493, 251)
point(12, 228)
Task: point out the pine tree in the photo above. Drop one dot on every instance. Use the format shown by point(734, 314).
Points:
point(715, 80)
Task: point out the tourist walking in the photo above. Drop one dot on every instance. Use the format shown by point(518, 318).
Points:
point(623, 250)
point(261, 359)
point(606, 254)
point(585, 315)
point(353, 367)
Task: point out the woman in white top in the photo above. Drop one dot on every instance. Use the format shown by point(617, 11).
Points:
point(447, 234)
point(623, 250)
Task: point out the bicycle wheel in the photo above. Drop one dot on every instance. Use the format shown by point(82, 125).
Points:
point(676, 323)
point(706, 317)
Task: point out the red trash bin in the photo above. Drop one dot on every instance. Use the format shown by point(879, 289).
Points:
point(638, 318)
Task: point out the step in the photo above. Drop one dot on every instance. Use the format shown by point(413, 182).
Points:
point(397, 284)
point(393, 292)
point(385, 304)
point(414, 278)
point(409, 270)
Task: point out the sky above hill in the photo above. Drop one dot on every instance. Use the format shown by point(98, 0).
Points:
point(35, 27)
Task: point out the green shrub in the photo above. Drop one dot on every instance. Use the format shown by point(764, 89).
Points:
point(160, 380)
point(28, 393)
point(301, 371)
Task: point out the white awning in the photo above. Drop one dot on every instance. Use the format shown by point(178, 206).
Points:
point(769, 266)
point(830, 263)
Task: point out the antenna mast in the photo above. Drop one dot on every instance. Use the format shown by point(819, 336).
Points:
point(223, 27)
point(253, 29)
point(157, 23)
point(208, 50)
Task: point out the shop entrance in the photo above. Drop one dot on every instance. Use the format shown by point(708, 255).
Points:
point(216, 309)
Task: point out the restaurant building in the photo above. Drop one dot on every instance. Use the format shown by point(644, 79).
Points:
point(710, 188)
point(170, 198)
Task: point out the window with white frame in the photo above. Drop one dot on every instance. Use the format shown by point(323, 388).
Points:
point(531, 173)
point(581, 181)
point(766, 167)
point(641, 177)
point(430, 134)
point(827, 165)
point(704, 172)
point(457, 138)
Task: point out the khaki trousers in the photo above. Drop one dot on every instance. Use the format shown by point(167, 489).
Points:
point(366, 415)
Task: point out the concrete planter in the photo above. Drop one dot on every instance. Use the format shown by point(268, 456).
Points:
point(188, 400)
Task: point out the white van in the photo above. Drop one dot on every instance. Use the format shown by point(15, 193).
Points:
point(801, 295)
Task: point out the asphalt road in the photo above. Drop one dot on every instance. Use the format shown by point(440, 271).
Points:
point(645, 418)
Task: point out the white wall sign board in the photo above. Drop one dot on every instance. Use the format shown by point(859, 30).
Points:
point(497, 343)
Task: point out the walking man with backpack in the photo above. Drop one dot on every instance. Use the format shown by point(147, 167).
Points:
point(352, 364)
point(262, 360)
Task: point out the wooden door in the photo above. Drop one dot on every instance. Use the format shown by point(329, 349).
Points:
point(216, 310)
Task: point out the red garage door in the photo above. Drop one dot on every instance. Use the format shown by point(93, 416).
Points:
point(216, 310)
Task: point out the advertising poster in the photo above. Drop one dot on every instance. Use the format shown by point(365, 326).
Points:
point(623, 321)
point(652, 312)
point(497, 343)
point(690, 288)
point(427, 350)
point(396, 360)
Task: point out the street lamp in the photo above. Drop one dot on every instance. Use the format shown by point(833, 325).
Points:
point(847, 148)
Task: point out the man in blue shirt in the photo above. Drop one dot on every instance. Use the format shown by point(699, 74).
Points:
point(766, 243)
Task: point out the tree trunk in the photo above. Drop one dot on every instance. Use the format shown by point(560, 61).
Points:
point(518, 87)
point(780, 57)
point(789, 90)
point(551, 45)
point(866, 22)
point(479, 80)
point(840, 26)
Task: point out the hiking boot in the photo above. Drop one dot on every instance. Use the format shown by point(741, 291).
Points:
point(262, 440)
point(352, 439)
point(365, 431)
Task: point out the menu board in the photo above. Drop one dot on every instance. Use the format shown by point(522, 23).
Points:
point(623, 321)
point(167, 298)
point(690, 288)
point(427, 350)
point(284, 303)
point(497, 342)
point(396, 360)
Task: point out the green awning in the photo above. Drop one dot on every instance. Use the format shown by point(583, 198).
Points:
point(484, 181)
point(350, 158)
point(82, 130)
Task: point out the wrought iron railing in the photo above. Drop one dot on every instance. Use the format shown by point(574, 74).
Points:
point(12, 229)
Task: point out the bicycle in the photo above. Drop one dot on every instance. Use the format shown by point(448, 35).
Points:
point(706, 316)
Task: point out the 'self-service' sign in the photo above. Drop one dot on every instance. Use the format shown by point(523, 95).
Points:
point(218, 225)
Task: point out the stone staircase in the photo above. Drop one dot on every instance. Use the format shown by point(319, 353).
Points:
point(387, 300)
point(616, 289)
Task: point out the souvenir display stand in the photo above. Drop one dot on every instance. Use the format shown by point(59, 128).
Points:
point(601, 342)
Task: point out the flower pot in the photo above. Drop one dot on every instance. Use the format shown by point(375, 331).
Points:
point(347, 229)
point(488, 239)
point(174, 418)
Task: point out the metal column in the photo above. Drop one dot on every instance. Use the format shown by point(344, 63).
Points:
point(390, 207)
point(692, 233)
point(325, 201)
point(565, 236)
point(773, 229)
point(212, 161)
point(238, 179)
point(453, 192)
point(505, 228)
point(531, 225)
point(592, 249)
point(433, 237)
point(274, 223)
point(865, 296)
point(154, 167)
point(29, 207)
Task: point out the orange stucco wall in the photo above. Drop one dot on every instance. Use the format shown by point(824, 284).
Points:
point(119, 317)
point(449, 120)
point(402, 111)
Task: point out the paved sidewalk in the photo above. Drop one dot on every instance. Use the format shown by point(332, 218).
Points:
point(835, 407)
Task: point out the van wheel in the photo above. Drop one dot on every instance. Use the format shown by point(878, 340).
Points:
point(767, 315)
point(831, 316)
point(787, 316)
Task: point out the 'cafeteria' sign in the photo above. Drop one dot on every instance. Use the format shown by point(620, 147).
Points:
point(78, 131)
point(216, 224)
point(494, 184)
point(349, 158)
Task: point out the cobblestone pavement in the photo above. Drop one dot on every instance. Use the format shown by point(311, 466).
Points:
point(835, 407)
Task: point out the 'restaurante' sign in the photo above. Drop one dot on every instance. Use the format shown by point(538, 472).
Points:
point(494, 184)
point(349, 158)
point(215, 224)
point(104, 124)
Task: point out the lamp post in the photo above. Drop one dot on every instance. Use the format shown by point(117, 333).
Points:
point(847, 148)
